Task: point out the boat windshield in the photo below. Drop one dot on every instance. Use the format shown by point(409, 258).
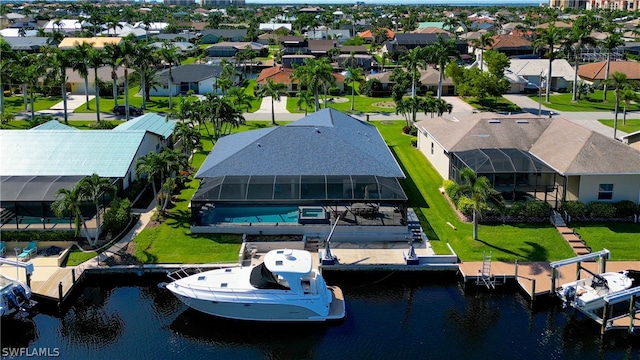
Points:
point(262, 278)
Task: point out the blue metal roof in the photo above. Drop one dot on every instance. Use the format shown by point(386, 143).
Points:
point(327, 142)
point(152, 122)
point(67, 153)
point(53, 125)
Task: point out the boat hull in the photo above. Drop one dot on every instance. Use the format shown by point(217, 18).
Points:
point(268, 312)
point(588, 295)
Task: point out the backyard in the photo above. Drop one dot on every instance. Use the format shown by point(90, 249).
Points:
point(156, 103)
point(591, 102)
point(15, 104)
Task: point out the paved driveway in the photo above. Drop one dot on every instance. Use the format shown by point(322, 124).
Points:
point(74, 101)
point(279, 107)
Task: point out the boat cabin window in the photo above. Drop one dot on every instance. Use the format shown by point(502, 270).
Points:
point(262, 278)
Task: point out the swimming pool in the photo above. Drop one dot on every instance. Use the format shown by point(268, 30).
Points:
point(251, 214)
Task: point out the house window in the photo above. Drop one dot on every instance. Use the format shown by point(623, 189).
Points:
point(431, 148)
point(605, 192)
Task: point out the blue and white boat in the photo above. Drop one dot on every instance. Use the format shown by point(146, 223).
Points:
point(15, 296)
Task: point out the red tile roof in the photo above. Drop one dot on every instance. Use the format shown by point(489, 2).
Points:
point(596, 71)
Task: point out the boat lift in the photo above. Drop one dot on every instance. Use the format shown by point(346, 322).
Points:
point(633, 296)
point(601, 256)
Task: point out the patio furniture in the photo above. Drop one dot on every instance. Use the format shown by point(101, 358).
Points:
point(3, 248)
point(28, 251)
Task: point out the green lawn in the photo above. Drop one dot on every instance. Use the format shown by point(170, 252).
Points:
point(157, 103)
point(622, 239)
point(79, 124)
point(363, 104)
point(15, 104)
point(632, 125)
point(593, 102)
point(525, 242)
point(250, 89)
point(172, 242)
point(77, 257)
point(491, 104)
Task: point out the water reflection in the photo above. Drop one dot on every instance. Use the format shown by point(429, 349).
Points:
point(17, 332)
point(274, 340)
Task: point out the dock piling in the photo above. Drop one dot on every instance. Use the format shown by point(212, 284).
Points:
point(73, 276)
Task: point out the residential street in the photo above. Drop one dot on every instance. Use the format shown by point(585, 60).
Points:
point(586, 119)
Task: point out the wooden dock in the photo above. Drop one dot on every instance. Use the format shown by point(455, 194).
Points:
point(58, 286)
point(535, 277)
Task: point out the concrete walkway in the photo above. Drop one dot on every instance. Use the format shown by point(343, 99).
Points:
point(279, 107)
point(74, 101)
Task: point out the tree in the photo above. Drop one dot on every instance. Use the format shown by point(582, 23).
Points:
point(550, 37)
point(7, 60)
point(189, 136)
point(92, 188)
point(618, 81)
point(439, 53)
point(68, 202)
point(354, 76)
point(628, 94)
point(149, 166)
point(80, 63)
point(482, 42)
point(305, 98)
point(240, 98)
point(32, 74)
point(482, 195)
point(111, 58)
point(610, 43)
point(127, 60)
point(273, 90)
point(314, 74)
point(170, 55)
point(580, 35)
point(95, 60)
point(412, 62)
point(145, 64)
point(409, 107)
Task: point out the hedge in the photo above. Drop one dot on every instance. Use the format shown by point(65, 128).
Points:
point(30, 235)
point(601, 209)
point(625, 208)
point(575, 209)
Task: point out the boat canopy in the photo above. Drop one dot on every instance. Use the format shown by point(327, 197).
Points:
point(262, 278)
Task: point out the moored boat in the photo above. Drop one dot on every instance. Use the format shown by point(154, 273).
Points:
point(15, 296)
point(284, 287)
point(588, 294)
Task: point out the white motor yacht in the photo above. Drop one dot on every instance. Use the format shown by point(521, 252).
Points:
point(14, 296)
point(588, 294)
point(282, 288)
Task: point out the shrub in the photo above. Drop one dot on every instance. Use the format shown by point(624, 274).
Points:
point(517, 209)
point(602, 209)
point(38, 235)
point(414, 143)
point(536, 209)
point(625, 208)
point(450, 188)
point(575, 209)
point(334, 91)
point(372, 88)
point(410, 130)
point(118, 215)
point(103, 125)
point(465, 206)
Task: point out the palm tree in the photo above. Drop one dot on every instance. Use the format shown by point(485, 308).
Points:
point(80, 64)
point(170, 55)
point(481, 194)
point(610, 43)
point(550, 37)
point(149, 166)
point(482, 42)
point(439, 53)
point(354, 76)
point(412, 61)
point(314, 74)
point(628, 94)
point(60, 60)
point(111, 58)
point(240, 98)
point(95, 60)
point(6, 62)
point(32, 74)
point(189, 135)
point(127, 60)
point(145, 65)
point(618, 81)
point(68, 202)
point(580, 35)
point(273, 90)
point(92, 188)
point(305, 98)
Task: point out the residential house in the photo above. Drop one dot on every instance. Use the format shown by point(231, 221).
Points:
point(75, 81)
point(632, 139)
point(284, 75)
point(65, 25)
point(341, 35)
point(369, 36)
point(124, 31)
point(69, 43)
point(289, 61)
point(428, 81)
point(319, 33)
point(511, 45)
point(212, 36)
point(199, 78)
point(327, 160)
point(293, 45)
point(268, 38)
point(184, 48)
point(320, 48)
point(534, 70)
point(595, 72)
point(274, 26)
point(229, 49)
point(153, 27)
point(528, 157)
point(183, 36)
point(28, 44)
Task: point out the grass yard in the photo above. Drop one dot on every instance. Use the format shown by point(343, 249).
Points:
point(250, 89)
point(622, 239)
point(15, 104)
point(362, 104)
point(77, 257)
point(632, 125)
point(156, 104)
point(490, 104)
point(525, 242)
point(79, 124)
point(592, 102)
point(172, 242)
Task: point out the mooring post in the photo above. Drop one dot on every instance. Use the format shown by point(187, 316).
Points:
point(632, 312)
point(516, 272)
point(554, 274)
point(578, 267)
point(605, 317)
point(29, 280)
point(603, 264)
point(59, 296)
point(73, 276)
point(533, 290)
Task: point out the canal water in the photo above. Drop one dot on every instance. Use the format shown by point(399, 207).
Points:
point(389, 316)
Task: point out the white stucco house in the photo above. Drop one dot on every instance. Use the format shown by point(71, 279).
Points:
point(200, 78)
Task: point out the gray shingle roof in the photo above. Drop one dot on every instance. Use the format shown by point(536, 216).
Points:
point(567, 147)
point(189, 73)
point(325, 143)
